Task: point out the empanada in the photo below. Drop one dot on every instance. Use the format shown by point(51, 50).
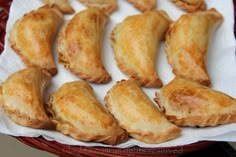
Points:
point(22, 97)
point(144, 5)
point(80, 45)
point(135, 44)
point(76, 112)
point(188, 103)
point(32, 37)
point(107, 6)
point(191, 5)
point(187, 43)
point(136, 113)
point(63, 5)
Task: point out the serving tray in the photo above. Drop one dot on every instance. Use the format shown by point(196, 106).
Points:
point(73, 151)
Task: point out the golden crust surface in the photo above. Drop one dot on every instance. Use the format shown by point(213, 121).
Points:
point(108, 6)
point(187, 43)
point(135, 44)
point(76, 112)
point(79, 45)
point(63, 5)
point(136, 113)
point(144, 5)
point(191, 5)
point(22, 98)
point(188, 103)
point(32, 36)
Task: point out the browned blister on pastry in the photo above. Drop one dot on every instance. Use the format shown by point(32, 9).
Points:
point(80, 45)
point(191, 5)
point(22, 98)
point(136, 113)
point(144, 5)
point(77, 113)
point(187, 42)
point(32, 37)
point(108, 6)
point(63, 5)
point(188, 103)
point(135, 43)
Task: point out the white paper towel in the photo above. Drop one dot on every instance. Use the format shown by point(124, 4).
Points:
point(221, 64)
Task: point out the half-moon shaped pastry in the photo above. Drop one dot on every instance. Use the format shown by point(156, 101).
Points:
point(191, 5)
point(188, 103)
point(32, 37)
point(80, 45)
point(107, 6)
point(22, 98)
point(76, 112)
point(187, 43)
point(63, 5)
point(135, 44)
point(144, 5)
point(136, 113)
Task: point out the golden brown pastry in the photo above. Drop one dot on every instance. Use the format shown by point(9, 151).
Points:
point(135, 45)
point(76, 112)
point(187, 43)
point(190, 5)
point(107, 6)
point(32, 37)
point(22, 97)
point(144, 5)
point(188, 103)
point(63, 5)
point(136, 113)
point(80, 45)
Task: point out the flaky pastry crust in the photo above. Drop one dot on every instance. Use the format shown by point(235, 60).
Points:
point(63, 5)
point(144, 5)
point(77, 113)
point(108, 6)
point(135, 43)
point(32, 37)
point(22, 98)
point(188, 103)
point(80, 45)
point(191, 5)
point(187, 42)
point(136, 113)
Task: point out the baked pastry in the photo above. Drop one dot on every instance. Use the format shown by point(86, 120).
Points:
point(76, 112)
point(144, 5)
point(107, 6)
point(191, 5)
point(188, 103)
point(135, 45)
point(136, 113)
point(63, 5)
point(187, 43)
point(32, 37)
point(21, 96)
point(80, 45)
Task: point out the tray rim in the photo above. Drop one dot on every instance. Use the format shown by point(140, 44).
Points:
point(70, 150)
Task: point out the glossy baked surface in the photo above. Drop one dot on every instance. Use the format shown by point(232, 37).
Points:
point(76, 111)
point(144, 5)
point(80, 45)
point(32, 37)
point(187, 103)
point(142, 32)
point(137, 114)
point(21, 97)
point(107, 6)
point(63, 5)
point(191, 5)
point(187, 42)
